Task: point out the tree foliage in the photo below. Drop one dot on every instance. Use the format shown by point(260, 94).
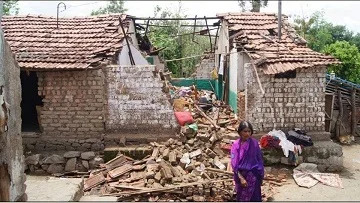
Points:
point(114, 6)
point(304, 24)
point(255, 5)
point(10, 7)
point(336, 40)
point(319, 33)
point(349, 55)
point(176, 46)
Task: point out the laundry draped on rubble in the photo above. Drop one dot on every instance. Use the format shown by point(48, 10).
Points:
point(307, 175)
point(299, 137)
point(268, 142)
point(286, 145)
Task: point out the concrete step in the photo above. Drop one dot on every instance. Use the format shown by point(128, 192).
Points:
point(45, 188)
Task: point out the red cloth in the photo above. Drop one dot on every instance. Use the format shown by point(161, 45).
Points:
point(184, 118)
point(226, 147)
point(268, 141)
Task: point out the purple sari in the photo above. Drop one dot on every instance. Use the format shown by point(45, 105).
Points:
point(246, 158)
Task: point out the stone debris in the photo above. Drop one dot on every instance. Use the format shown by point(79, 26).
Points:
point(70, 165)
point(87, 155)
point(72, 154)
point(193, 167)
point(70, 162)
point(54, 159)
point(33, 160)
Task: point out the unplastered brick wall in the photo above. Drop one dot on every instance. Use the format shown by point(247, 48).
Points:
point(287, 103)
point(73, 104)
point(241, 105)
point(136, 101)
point(203, 70)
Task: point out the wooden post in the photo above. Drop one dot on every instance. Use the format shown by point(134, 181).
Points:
point(353, 113)
point(341, 112)
point(127, 42)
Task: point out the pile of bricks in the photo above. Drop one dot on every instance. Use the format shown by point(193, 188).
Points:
point(193, 167)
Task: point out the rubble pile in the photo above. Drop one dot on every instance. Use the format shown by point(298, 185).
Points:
point(193, 167)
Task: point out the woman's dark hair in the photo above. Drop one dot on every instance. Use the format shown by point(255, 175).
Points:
point(243, 125)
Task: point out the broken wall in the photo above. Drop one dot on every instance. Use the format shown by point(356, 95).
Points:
point(136, 101)
point(287, 102)
point(72, 117)
point(205, 67)
point(12, 177)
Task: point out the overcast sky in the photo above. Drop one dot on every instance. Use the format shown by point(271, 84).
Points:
point(337, 12)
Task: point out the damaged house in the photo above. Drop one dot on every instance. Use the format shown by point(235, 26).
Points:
point(272, 82)
point(79, 89)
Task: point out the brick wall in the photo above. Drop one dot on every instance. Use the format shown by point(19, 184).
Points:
point(287, 103)
point(241, 105)
point(203, 70)
point(72, 117)
point(136, 101)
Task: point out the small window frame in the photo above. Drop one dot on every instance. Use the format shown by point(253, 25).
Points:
point(287, 74)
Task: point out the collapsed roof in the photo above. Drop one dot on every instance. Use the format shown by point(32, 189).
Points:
point(257, 34)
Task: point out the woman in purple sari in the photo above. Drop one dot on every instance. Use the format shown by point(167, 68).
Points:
point(247, 164)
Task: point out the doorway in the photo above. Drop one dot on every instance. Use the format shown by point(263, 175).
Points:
point(30, 102)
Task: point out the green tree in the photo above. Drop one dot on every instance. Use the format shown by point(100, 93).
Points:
point(255, 4)
point(319, 33)
point(349, 55)
point(335, 40)
point(114, 6)
point(320, 36)
point(177, 41)
point(10, 7)
point(304, 24)
point(356, 40)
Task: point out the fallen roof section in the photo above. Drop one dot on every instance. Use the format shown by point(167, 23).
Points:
point(78, 43)
point(257, 33)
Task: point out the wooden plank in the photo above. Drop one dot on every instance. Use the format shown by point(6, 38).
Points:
point(329, 106)
point(130, 187)
point(94, 181)
point(219, 171)
point(207, 117)
point(339, 119)
point(120, 171)
point(353, 113)
point(168, 188)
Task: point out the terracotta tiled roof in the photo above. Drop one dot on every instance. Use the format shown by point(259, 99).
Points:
point(257, 34)
point(78, 43)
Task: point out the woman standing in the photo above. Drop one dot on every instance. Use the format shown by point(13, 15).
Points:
point(247, 164)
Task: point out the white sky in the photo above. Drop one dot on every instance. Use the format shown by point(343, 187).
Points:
point(337, 12)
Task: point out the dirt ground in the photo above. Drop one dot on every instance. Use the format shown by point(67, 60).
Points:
point(350, 178)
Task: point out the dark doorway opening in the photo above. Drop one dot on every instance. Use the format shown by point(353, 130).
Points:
point(30, 102)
